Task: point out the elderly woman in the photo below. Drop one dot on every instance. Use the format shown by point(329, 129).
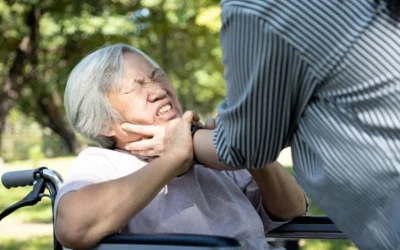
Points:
point(110, 190)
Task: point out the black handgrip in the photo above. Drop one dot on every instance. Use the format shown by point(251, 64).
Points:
point(18, 178)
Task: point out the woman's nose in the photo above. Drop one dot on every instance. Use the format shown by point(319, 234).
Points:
point(156, 94)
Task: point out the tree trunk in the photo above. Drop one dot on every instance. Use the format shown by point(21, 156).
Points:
point(13, 81)
point(59, 126)
point(3, 116)
point(48, 115)
point(69, 140)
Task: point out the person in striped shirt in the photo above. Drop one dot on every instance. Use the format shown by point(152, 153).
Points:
point(324, 78)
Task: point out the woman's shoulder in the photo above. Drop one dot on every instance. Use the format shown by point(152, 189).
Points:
point(107, 154)
point(107, 159)
point(95, 151)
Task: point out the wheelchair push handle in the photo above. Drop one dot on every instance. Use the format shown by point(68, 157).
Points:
point(18, 178)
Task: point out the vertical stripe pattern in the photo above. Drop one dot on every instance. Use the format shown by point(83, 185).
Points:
point(324, 77)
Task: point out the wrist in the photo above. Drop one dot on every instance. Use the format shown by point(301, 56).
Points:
point(177, 161)
point(178, 156)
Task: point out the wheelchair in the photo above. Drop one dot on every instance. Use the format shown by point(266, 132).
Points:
point(305, 227)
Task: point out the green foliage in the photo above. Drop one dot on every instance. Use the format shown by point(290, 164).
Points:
point(24, 139)
point(35, 154)
point(40, 213)
point(327, 245)
point(37, 243)
point(20, 136)
point(182, 36)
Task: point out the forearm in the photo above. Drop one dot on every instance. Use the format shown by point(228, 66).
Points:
point(282, 197)
point(205, 151)
point(87, 215)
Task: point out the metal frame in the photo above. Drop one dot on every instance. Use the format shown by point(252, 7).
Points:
point(308, 227)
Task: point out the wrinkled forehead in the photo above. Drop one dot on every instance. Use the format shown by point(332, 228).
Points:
point(134, 64)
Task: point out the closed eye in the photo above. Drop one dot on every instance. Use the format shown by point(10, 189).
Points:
point(157, 74)
point(127, 91)
point(160, 76)
point(131, 86)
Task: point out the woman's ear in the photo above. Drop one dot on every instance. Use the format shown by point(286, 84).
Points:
point(110, 132)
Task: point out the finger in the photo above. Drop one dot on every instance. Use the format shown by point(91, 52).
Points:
point(210, 123)
point(196, 117)
point(148, 130)
point(140, 145)
point(188, 116)
point(149, 152)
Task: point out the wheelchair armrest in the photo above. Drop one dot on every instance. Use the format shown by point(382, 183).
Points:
point(308, 227)
point(167, 241)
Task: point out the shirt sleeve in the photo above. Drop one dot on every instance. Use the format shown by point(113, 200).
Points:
point(263, 73)
point(87, 170)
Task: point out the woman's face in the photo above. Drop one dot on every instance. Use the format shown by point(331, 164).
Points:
point(146, 96)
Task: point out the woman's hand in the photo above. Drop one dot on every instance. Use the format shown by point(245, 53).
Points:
point(210, 123)
point(153, 146)
point(178, 138)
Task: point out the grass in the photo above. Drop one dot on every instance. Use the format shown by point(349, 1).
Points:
point(38, 243)
point(41, 213)
point(327, 245)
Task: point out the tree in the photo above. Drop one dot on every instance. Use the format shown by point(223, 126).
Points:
point(183, 36)
point(43, 40)
point(20, 50)
point(37, 61)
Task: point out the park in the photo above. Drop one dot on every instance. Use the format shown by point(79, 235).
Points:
point(43, 41)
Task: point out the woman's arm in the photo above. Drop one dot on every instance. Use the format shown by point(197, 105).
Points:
point(282, 197)
point(89, 214)
point(205, 152)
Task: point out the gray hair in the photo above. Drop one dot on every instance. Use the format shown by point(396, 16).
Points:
point(90, 82)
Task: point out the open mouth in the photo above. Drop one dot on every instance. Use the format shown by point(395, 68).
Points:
point(164, 109)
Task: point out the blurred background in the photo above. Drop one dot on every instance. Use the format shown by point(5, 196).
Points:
point(42, 40)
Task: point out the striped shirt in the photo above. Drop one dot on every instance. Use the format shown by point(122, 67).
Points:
point(324, 78)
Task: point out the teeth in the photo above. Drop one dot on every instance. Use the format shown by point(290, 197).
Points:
point(164, 109)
